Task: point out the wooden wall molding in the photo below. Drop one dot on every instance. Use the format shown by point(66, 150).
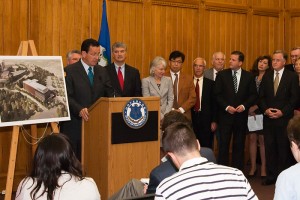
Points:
point(294, 12)
point(177, 3)
point(131, 1)
point(232, 8)
point(266, 12)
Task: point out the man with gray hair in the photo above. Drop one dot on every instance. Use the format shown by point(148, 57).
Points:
point(73, 56)
point(204, 114)
point(295, 53)
point(125, 79)
point(218, 62)
point(278, 96)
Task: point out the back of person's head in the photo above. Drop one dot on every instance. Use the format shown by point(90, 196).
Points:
point(86, 44)
point(177, 54)
point(172, 117)
point(54, 156)
point(179, 138)
point(293, 130)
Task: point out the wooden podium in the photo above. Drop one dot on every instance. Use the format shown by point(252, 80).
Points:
point(113, 165)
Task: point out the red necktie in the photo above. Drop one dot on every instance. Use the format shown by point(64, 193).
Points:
point(120, 77)
point(197, 105)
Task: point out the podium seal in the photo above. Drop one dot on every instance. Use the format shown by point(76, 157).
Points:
point(135, 113)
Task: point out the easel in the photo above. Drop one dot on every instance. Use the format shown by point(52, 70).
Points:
point(24, 50)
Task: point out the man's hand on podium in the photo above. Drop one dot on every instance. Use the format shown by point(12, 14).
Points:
point(84, 113)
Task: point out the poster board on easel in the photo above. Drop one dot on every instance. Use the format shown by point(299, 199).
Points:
point(18, 72)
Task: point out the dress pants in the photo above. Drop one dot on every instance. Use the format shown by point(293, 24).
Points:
point(277, 146)
point(202, 128)
point(238, 131)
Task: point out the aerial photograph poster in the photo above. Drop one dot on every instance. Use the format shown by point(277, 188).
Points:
point(32, 90)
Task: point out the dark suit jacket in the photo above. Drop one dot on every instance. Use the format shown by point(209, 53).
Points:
point(81, 94)
point(132, 81)
point(286, 97)
point(208, 103)
point(167, 169)
point(290, 67)
point(225, 96)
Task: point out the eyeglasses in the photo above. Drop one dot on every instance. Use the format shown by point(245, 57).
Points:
point(177, 61)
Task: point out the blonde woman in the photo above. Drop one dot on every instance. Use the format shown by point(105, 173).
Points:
point(159, 85)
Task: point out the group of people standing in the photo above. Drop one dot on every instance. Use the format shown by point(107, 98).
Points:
point(216, 100)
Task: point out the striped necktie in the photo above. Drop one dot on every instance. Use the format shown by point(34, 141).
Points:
point(235, 81)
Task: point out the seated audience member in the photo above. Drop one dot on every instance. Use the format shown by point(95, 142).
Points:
point(159, 85)
point(288, 183)
point(167, 168)
point(73, 56)
point(136, 188)
point(56, 174)
point(197, 178)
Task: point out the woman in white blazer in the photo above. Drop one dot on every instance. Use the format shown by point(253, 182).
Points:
point(159, 85)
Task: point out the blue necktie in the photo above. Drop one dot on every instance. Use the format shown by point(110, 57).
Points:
point(91, 76)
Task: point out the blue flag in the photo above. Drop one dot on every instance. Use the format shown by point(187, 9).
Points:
point(104, 39)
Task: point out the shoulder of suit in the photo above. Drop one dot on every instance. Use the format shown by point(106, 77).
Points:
point(73, 67)
point(130, 67)
point(208, 80)
point(188, 76)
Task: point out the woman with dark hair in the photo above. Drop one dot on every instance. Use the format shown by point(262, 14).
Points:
point(288, 182)
point(56, 174)
point(261, 65)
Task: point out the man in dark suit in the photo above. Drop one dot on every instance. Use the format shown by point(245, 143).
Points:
point(278, 96)
point(125, 79)
point(184, 89)
point(295, 53)
point(85, 82)
point(204, 111)
point(235, 92)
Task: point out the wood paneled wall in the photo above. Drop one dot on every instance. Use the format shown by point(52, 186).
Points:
point(150, 28)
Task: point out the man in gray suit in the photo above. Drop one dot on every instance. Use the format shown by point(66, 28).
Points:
point(218, 62)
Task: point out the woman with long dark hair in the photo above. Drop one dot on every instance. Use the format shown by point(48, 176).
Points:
point(261, 65)
point(56, 174)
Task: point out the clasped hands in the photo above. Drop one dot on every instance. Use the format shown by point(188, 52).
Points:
point(233, 110)
point(273, 113)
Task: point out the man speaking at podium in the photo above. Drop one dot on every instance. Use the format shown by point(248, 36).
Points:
point(86, 82)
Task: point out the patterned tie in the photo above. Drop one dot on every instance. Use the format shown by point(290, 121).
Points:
point(120, 77)
point(276, 82)
point(175, 104)
point(91, 76)
point(235, 81)
point(197, 90)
